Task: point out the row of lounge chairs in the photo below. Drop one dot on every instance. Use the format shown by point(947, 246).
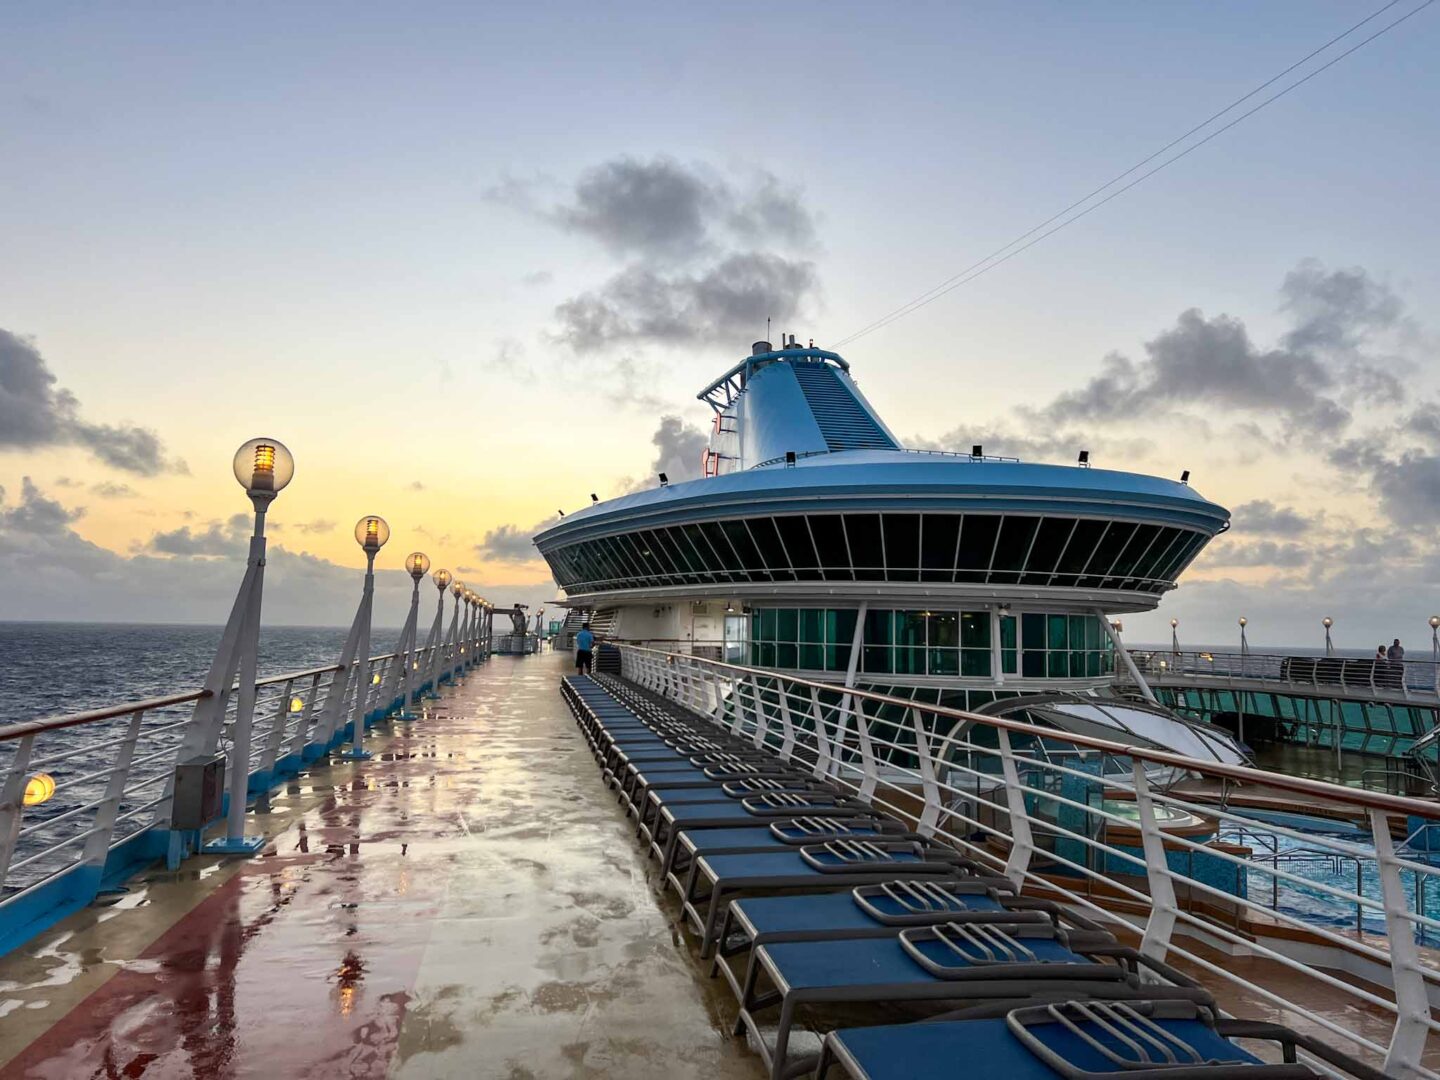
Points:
point(814, 905)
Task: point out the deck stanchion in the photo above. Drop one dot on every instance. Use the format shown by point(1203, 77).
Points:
point(823, 758)
point(1022, 843)
point(1155, 942)
point(1407, 1042)
point(299, 739)
point(371, 532)
point(787, 724)
point(276, 736)
point(97, 844)
point(869, 772)
point(930, 816)
point(417, 564)
point(12, 802)
point(434, 643)
point(762, 721)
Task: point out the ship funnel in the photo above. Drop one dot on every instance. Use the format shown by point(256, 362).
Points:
point(760, 347)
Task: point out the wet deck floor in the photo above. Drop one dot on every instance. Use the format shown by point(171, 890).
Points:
point(469, 903)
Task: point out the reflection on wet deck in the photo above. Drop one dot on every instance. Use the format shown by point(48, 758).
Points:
point(469, 903)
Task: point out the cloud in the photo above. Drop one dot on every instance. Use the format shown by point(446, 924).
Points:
point(1310, 379)
point(215, 541)
point(319, 525)
point(663, 209)
point(67, 482)
point(108, 490)
point(510, 543)
point(723, 303)
point(707, 257)
point(36, 413)
point(415, 485)
point(678, 449)
point(1260, 553)
point(36, 515)
point(536, 278)
point(1261, 516)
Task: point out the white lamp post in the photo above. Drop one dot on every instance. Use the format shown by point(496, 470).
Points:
point(453, 638)
point(1244, 644)
point(1175, 637)
point(371, 532)
point(417, 564)
point(1328, 622)
point(263, 467)
point(1435, 648)
point(433, 643)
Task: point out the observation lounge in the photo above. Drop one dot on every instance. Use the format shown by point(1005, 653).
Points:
point(815, 542)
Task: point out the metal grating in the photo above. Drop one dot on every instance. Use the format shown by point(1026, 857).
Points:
point(844, 422)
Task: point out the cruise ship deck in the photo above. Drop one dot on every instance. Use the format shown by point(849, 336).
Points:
point(468, 903)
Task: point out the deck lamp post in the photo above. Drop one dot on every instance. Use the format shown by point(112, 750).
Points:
point(417, 564)
point(1328, 622)
point(454, 639)
point(441, 578)
point(263, 467)
point(1435, 649)
point(1244, 644)
point(371, 533)
point(1175, 637)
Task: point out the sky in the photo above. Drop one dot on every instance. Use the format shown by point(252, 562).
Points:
point(473, 262)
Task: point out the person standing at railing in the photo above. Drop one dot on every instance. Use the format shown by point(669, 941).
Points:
point(1395, 676)
point(584, 650)
point(1395, 653)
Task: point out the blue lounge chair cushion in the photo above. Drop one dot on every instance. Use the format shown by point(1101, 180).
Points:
point(823, 911)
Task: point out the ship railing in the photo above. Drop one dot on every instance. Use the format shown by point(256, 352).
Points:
point(1370, 676)
point(907, 575)
point(977, 458)
point(1109, 829)
point(86, 797)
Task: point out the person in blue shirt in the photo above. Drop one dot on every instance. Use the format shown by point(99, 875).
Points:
point(584, 650)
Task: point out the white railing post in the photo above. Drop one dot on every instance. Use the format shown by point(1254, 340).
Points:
point(1412, 1003)
point(787, 725)
point(762, 719)
point(930, 816)
point(1022, 842)
point(12, 802)
point(97, 844)
point(276, 737)
point(823, 758)
point(1160, 926)
point(302, 727)
point(869, 771)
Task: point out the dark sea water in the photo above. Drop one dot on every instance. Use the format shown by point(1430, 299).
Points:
point(47, 669)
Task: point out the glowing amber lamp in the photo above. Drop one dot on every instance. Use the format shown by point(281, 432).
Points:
point(39, 788)
point(296, 704)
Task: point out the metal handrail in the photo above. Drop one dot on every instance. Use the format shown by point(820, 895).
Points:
point(1036, 818)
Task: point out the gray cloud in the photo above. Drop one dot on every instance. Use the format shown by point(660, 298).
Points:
point(108, 490)
point(510, 543)
point(416, 485)
point(214, 541)
point(661, 208)
point(35, 412)
point(319, 525)
point(723, 303)
point(1308, 380)
point(678, 448)
point(1261, 516)
point(1259, 553)
point(67, 482)
point(35, 515)
point(537, 278)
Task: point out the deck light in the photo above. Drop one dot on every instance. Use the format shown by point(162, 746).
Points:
point(263, 466)
point(371, 532)
point(977, 450)
point(456, 589)
point(1244, 644)
point(1085, 458)
point(789, 459)
point(1175, 636)
point(417, 563)
point(664, 479)
point(594, 498)
point(560, 512)
point(38, 789)
point(375, 679)
point(1328, 622)
point(1185, 477)
point(296, 704)
point(442, 579)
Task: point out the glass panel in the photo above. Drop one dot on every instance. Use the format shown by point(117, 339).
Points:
point(902, 547)
point(1032, 664)
point(767, 539)
point(876, 658)
point(1032, 630)
point(975, 629)
point(837, 657)
point(1108, 550)
point(944, 661)
point(1050, 540)
point(1007, 643)
point(840, 626)
point(796, 535)
point(786, 655)
point(828, 533)
point(812, 625)
point(909, 661)
point(1078, 551)
point(787, 625)
point(721, 544)
point(909, 628)
point(1057, 666)
point(1056, 637)
point(739, 537)
point(812, 658)
point(708, 560)
point(938, 536)
point(977, 544)
point(944, 630)
point(767, 624)
point(975, 663)
point(863, 532)
point(1077, 631)
point(767, 654)
point(1016, 534)
point(878, 627)
point(1135, 550)
point(1159, 554)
